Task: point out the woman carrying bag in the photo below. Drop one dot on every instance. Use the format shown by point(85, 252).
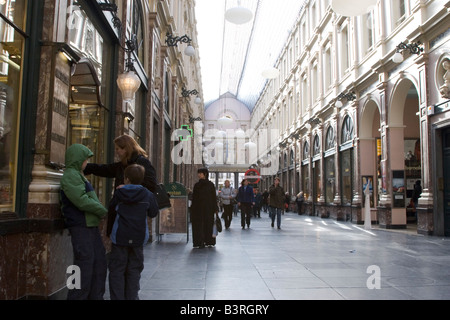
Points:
point(128, 152)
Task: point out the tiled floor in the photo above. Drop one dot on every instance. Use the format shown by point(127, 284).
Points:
point(309, 258)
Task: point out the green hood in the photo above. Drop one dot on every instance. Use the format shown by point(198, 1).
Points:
point(76, 154)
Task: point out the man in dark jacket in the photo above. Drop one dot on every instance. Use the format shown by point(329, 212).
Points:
point(276, 204)
point(245, 199)
point(133, 204)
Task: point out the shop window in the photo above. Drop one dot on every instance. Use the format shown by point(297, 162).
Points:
point(305, 171)
point(329, 179)
point(330, 187)
point(347, 176)
point(346, 150)
point(11, 72)
point(89, 99)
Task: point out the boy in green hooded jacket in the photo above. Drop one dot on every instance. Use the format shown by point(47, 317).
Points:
point(82, 213)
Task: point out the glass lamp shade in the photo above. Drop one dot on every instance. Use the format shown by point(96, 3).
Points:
point(398, 57)
point(240, 134)
point(128, 84)
point(225, 120)
point(198, 100)
point(250, 145)
point(189, 51)
point(271, 73)
point(350, 8)
point(338, 104)
point(308, 125)
point(238, 15)
point(221, 134)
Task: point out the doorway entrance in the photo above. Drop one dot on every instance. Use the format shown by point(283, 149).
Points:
point(446, 160)
point(404, 151)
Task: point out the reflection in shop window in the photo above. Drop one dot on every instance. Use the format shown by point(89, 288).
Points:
point(90, 80)
point(305, 170)
point(347, 160)
point(11, 57)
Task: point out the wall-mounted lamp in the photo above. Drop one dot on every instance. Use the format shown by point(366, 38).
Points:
point(65, 49)
point(172, 41)
point(186, 93)
point(128, 116)
point(198, 100)
point(192, 119)
point(310, 122)
point(128, 82)
point(414, 48)
point(349, 96)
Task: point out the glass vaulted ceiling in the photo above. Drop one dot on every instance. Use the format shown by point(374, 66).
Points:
point(232, 57)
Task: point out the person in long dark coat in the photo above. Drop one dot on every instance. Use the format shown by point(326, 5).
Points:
point(203, 211)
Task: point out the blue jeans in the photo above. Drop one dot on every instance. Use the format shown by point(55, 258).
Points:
point(276, 212)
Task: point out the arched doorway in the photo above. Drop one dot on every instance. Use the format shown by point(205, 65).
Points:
point(370, 154)
point(404, 150)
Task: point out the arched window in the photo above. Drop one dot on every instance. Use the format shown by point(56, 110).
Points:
point(305, 151)
point(347, 130)
point(330, 140)
point(316, 149)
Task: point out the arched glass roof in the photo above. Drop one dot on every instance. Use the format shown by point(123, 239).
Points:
point(232, 57)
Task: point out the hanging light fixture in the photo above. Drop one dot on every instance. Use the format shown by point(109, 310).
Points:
point(271, 73)
point(239, 14)
point(173, 41)
point(128, 82)
point(198, 100)
point(350, 8)
point(225, 120)
point(414, 48)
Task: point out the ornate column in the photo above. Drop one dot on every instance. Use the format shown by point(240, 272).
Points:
point(425, 219)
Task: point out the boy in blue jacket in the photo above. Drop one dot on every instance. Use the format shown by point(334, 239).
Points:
point(133, 203)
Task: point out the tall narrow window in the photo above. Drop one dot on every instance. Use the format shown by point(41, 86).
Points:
point(344, 50)
point(315, 82)
point(327, 67)
point(11, 70)
point(305, 170)
point(346, 157)
point(89, 97)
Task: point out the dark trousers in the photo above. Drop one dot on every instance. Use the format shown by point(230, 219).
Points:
point(227, 214)
point(202, 229)
point(257, 211)
point(299, 207)
point(90, 256)
point(246, 213)
point(125, 267)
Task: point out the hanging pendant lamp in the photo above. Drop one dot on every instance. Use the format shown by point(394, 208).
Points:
point(271, 73)
point(225, 120)
point(350, 8)
point(128, 84)
point(239, 14)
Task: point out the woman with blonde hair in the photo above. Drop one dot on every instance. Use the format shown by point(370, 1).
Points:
point(128, 152)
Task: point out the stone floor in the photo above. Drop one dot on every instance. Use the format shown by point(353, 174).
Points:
point(309, 258)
